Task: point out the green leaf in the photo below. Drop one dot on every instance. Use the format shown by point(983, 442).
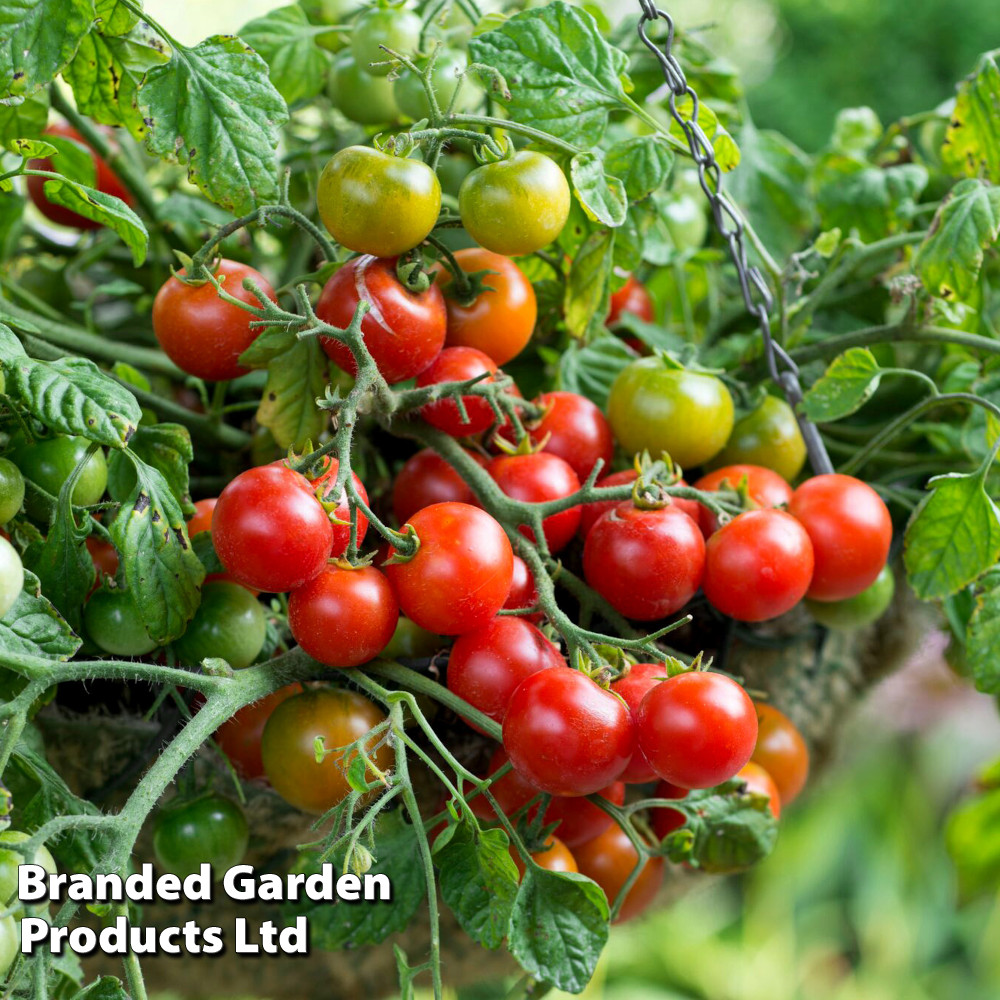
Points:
point(642, 163)
point(982, 637)
point(286, 41)
point(11, 223)
point(161, 569)
point(589, 369)
point(973, 840)
point(855, 131)
point(603, 197)
point(33, 626)
point(727, 153)
point(295, 380)
point(588, 291)
point(165, 447)
point(115, 18)
point(559, 926)
point(972, 142)
point(213, 108)
point(270, 343)
point(26, 119)
point(846, 385)
point(563, 76)
point(953, 536)
point(75, 397)
point(31, 147)
point(204, 549)
point(396, 856)
point(39, 38)
point(478, 880)
point(950, 257)
point(73, 161)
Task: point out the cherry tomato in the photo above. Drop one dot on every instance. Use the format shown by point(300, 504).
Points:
point(457, 364)
point(403, 330)
point(190, 832)
point(666, 820)
point(609, 859)
point(515, 206)
point(684, 218)
point(288, 746)
point(861, 609)
point(486, 665)
point(646, 563)
point(461, 574)
point(378, 204)
point(769, 436)
point(393, 27)
point(851, 532)
point(11, 576)
point(578, 818)
point(270, 531)
point(632, 688)
point(11, 490)
point(657, 407)
point(500, 320)
point(631, 298)
point(426, 479)
point(229, 624)
point(49, 462)
point(114, 624)
point(781, 751)
point(345, 616)
point(202, 520)
point(766, 489)
point(523, 591)
point(758, 566)
point(511, 792)
point(410, 642)
point(199, 331)
point(239, 736)
point(10, 943)
point(325, 483)
point(590, 513)
point(536, 478)
point(446, 79)
point(697, 729)
point(105, 181)
point(759, 782)
point(361, 97)
point(565, 734)
point(104, 557)
point(10, 861)
point(555, 856)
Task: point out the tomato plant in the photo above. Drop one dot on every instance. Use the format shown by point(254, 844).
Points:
point(554, 856)
point(459, 364)
point(229, 624)
point(239, 737)
point(425, 479)
point(781, 751)
point(609, 859)
point(764, 488)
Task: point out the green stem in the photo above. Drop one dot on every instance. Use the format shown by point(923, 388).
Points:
point(892, 333)
point(511, 126)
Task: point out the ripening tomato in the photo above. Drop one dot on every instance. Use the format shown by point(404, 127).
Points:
point(461, 574)
point(768, 436)
point(697, 729)
point(646, 563)
point(458, 364)
point(403, 330)
point(104, 556)
point(499, 321)
point(523, 591)
point(230, 624)
point(766, 489)
point(609, 859)
point(200, 332)
point(632, 688)
point(511, 792)
point(759, 782)
point(758, 566)
point(664, 819)
point(631, 298)
point(426, 479)
point(11, 489)
point(486, 665)
point(536, 478)
point(344, 616)
point(861, 609)
point(565, 734)
point(239, 736)
point(555, 856)
point(202, 520)
point(361, 97)
point(325, 483)
point(270, 531)
point(392, 27)
point(578, 818)
point(850, 530)
point(781, 751)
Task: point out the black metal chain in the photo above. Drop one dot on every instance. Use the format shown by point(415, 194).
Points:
point(728, 221)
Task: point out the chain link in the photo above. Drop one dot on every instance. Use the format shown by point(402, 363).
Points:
point(729, 223)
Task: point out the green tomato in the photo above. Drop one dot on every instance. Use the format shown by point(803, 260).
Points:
point(114, 624)
point(49, 462)
point(191, 832)
point(515, 206)
point(857, 611)
point(229, 623)
point(657, 407)
point(330, 12)
point(768, 436)
point(11, 576)
point(367, 100)
point(445, 79)
point(10, 944)
point(11, 490)
point(392, 27)
point(410, 642)
point(686, 221)
point(9, 862)
point(378, 204)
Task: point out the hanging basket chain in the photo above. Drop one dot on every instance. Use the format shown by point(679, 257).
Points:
point(756, 294)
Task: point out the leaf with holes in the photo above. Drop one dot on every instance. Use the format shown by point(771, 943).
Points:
point(33, 626)
point(845, 387)
point(603, 197)
point(972, 142)
point(296, 378)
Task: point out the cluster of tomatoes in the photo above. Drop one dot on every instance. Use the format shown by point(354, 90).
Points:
point(10, 861)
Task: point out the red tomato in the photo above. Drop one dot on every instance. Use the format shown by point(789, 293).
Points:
point(342, 512)
point(578, 818)
point(106, 181)
point(239, 737)
point(758, 566)
point(534, 479)
point(697, 729)
point(403, 330)
point(270, 531)
point(487, 665)
point(426, 479)
point(461, 574)
point(759, 782)
point(667, 820)
point(554, 857)
point(499, 322)
point(591, 512)
point(104, 557)
point(511, 791)
point(457, 364)
point(781, 751)
point(523, 591)
point(201, 333)
point(632, 298)
point(565, 734)
point(202, 520)
point(851, 532)
point(609, 860)
point(632, 688)
point(766, 489)
point(646, 563)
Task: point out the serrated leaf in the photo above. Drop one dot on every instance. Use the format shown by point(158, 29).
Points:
point(26, 119)
point(982, 639)
point(972, 142)
point(33, 148)
point(559, 926)
point(642, 163)
point(844, 388)
point(603, 197)
point(286, 41)
point(38, 38)
point(75, 397)
point(589, 369)
point(563, 76)
point(103, 208)
point(33, 626)
point(951, 255)
point(161, 569)
point(166, 447)
point(115, 18)
point(953, 536)
point(214, 109)
point(588, 291)
point(295, 380)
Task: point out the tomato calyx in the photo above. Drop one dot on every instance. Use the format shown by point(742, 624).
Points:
point(467, 286)
point(405, 544)
point(195, 271)
point(411, 273)
point(526, 446)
